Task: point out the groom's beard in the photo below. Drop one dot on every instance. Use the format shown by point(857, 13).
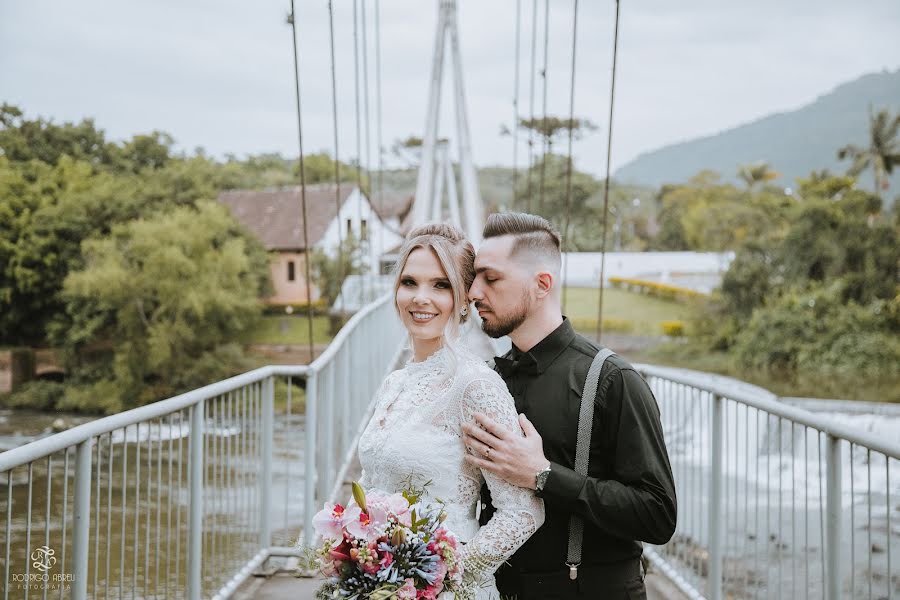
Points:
point(506, 324)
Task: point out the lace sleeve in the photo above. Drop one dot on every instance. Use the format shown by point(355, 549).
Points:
point(519, 512)
point(377, 403)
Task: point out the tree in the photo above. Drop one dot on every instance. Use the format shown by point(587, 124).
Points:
point(330, 271)
point(882, 153)
point(756, 174)
point(582, 215)
point(409, 150)
point(550, 128)
point(157, 305)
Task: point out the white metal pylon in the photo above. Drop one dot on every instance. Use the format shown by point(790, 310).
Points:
point(426, 190)
point(445, 178)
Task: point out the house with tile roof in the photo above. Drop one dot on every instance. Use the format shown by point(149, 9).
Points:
point(276, 218)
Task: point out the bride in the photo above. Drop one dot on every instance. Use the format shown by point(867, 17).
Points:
point(415, 436)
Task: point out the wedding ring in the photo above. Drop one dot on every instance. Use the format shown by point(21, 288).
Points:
point(487, 454)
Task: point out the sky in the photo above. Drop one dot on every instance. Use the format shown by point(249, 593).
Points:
point(219, 74)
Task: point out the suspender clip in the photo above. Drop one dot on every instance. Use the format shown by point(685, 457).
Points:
point(573, 571)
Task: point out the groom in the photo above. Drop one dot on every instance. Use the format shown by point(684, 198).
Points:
point(628, 495)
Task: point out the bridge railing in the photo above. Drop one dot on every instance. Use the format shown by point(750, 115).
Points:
point(774, 501)
point(187, 497)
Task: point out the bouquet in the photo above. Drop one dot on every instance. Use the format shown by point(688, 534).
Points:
point(386, 547)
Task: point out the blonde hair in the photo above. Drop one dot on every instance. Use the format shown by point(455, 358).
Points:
point(456, 256)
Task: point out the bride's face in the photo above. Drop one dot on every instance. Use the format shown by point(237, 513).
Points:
point(424, 296)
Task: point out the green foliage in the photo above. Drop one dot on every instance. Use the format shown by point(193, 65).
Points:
point(329, 272)
point(165, 296)
point(756, 174)
point(882, 153)
point(583, 215)
point(818, 295)
point(37, 395)
point(552, 129)
point(708, 215)
point(814, 331)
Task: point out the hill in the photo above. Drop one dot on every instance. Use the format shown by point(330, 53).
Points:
point(794, 143)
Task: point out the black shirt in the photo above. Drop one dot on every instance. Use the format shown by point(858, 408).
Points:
point(629, 494)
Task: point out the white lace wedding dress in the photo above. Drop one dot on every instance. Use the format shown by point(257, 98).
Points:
point(415, 436)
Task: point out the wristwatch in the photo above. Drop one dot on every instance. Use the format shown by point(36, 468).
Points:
point(540, 480)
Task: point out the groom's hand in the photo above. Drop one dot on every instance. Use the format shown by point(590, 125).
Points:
point(513, 457)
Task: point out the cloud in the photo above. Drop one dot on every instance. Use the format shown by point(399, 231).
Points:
point(219, 74)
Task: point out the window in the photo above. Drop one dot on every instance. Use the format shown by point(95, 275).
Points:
point(349, 227)
point(290, 272)
point(363, 234)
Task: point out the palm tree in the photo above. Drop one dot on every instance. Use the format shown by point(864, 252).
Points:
point(882, 153)
point(756, 173)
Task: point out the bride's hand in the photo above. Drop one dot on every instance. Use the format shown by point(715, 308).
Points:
point(515, 458)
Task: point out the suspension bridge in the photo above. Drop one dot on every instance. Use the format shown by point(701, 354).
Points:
point(203, 494)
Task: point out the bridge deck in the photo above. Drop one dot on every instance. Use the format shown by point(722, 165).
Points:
point(285, 585)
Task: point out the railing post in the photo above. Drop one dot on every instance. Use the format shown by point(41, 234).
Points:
point(345, 386)
point(309, 480)
point(714, 577)
point(81, 516)
point(265, 482)
point(329, 442)
point(195, 507)
point(833, 518)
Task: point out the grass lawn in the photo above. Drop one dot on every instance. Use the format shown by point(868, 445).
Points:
point(644, 313)
point(293, 329)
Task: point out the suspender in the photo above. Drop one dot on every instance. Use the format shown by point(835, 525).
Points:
point(582, 449)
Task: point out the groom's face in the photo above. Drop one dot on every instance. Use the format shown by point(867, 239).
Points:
point(500, 290)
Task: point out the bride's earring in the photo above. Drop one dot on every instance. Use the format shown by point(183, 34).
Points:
point(464, 311)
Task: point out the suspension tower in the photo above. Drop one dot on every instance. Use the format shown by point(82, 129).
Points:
point(435, 170)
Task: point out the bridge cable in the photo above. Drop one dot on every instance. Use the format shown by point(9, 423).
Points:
point(380, 119)
point(359, 185)
point(544, 124)
point(515, 123)
point(531, 103)
point(567, 222)
point(612, 95)
point(366, 119)
point(309, 307)
point(337, 160)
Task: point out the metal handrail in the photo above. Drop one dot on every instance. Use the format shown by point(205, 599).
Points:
point(713, 467)
point(779, 409)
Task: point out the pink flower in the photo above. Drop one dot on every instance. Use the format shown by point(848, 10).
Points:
point(329, 522)
point(408, 591)
point(440, 573)
point(393, 504)
point(365, 526)
point(428, 593)
point(387, 559)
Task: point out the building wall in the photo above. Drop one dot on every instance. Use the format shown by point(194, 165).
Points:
point(357, 209)
point(287, 291)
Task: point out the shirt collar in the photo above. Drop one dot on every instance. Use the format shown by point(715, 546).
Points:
point(545, 352)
